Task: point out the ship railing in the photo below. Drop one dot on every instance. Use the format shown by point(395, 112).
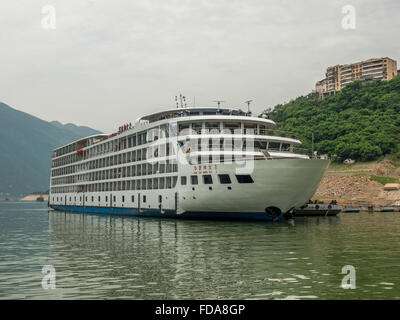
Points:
point(302, 151)
point(294, 150)
point(257, 132)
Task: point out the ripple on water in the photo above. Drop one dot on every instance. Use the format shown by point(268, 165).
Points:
point(129, 258)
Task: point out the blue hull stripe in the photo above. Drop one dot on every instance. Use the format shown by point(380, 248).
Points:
point(258, 216)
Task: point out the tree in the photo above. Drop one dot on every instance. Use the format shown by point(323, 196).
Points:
point(362, 121)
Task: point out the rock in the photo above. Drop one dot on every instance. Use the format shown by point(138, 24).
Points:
point(350, 188)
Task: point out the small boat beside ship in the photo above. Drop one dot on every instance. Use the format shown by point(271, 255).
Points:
point(318, 210)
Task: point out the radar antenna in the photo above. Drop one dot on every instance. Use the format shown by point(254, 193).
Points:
point(248, 105)
point(218, 102)
point(182, 100)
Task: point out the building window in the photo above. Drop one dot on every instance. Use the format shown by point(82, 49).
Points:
point(194, 180)
point(183, 181)
point(133, 198)
point(159, 198)
point(207, 179)
point(244, 178)
point(99, 198)
point(123, 198)
point(224, 179)
point(144, 199)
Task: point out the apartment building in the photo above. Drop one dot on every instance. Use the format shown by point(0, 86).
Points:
point(337, 77)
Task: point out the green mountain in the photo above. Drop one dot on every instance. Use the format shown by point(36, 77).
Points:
point(361, 122)
point(82, 131)
point(26, 145)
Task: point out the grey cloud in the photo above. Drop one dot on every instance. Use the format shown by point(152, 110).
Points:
point(108, 62)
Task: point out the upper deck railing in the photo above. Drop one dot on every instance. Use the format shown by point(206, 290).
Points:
point(295, 150)
point(257, 132)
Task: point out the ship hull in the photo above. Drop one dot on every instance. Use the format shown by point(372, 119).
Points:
point(234, 216)
point(279, 185)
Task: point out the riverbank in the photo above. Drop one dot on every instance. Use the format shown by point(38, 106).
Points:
point(361, 184)
point(33, 197)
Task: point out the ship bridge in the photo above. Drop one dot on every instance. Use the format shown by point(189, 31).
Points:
point(190, 112)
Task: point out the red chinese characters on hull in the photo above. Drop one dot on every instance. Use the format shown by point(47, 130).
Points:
point(204, 169)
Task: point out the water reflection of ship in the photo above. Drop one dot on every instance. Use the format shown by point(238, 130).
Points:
point(108, 256)
point(133, 251)
point(184, 258)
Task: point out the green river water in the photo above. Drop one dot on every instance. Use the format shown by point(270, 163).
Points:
point(108, 257)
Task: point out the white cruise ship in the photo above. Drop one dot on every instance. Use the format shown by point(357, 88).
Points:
point(187, 162)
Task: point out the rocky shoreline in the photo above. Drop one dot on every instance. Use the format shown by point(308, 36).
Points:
point(354, 185)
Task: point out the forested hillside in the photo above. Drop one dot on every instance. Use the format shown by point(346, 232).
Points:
point(361, 122)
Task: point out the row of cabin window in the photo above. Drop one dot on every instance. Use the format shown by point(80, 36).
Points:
point(163, 150)
point(141, 137)
point(108, 146)
point(116, 173)
point(106, 199)
point(66, 160)
point(130, 142)
point(216, 144)
point(141, 184)
point(119, 144)
point(67, 149)
point(223, 179)
point(229, 127)
point(160, 151)
point(154, 184)
point(155, 133)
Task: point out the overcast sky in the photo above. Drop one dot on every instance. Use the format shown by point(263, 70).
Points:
point(109, 62)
